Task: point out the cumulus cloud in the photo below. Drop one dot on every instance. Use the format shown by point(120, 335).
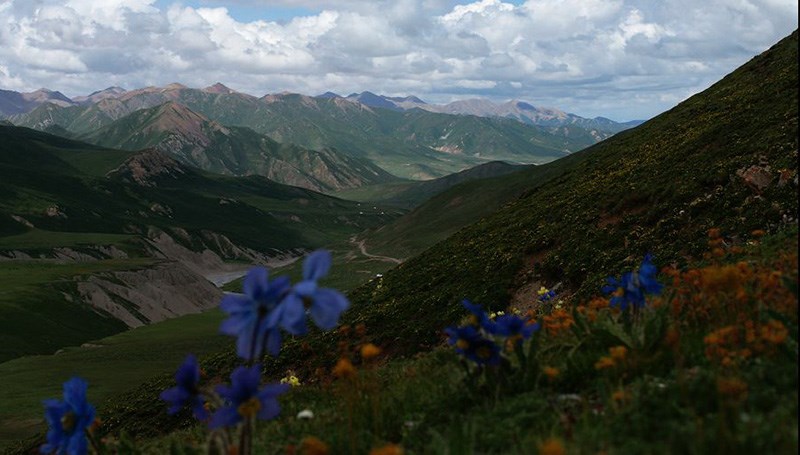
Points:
point(619, 58)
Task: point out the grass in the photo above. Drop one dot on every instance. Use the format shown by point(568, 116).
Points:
point(665, 392)
point(349, 270)
point(113, 365)
point(38, 313)
point(38, 239)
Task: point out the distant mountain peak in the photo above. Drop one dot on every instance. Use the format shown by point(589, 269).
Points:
point(370, 99)
point(411, 99)
point(45, 94)
point(329, 95)
point(219, 88)
point(175, 86)
point(100, 95)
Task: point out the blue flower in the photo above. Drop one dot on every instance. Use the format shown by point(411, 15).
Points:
point(469, 343)
point(250, 315)
point(514, 328)
point(478, 317)
point(632, 287)
point(324, 305)
point(186, 392)
point(68, 420)
point(244, 400)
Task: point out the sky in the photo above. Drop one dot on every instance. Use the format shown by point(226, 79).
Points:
point(621, 59)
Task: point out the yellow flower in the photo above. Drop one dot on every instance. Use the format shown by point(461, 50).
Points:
point(292, 380)
point(543, 290)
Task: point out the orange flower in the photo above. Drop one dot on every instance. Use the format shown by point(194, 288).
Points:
point(557, 321)
point(732, 388)
point(618, 353)
point(774, 332)
point(311, 445)
point(619, 396)
point(388, 449)
point(344, 369)
point(672, 337)
point(604, 362)
point(551, 372)
point(552, 446)
point(370, 351)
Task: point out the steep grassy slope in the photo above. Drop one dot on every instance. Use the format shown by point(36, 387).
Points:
point(61, 185)
point(657, 189)
point(197, 141)
point(69, 201)
point(36, 316)
point(119, 363)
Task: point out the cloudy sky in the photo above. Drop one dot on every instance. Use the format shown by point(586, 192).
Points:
point(623, 59)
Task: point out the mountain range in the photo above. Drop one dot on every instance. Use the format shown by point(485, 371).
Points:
point(195, 140)
point(413, 143)
point(719, 171)
point(522, 111)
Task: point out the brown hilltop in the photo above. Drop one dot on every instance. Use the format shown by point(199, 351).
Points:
point(147, 167)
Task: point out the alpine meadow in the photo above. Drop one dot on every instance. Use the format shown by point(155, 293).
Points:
point(346, 230)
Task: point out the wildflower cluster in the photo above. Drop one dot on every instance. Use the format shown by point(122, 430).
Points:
point(478, 339)
point(557, 322)
point(730, 345)
point(257, 319)
point(616, 357)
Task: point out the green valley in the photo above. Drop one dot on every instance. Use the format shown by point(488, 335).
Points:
point(381, 275)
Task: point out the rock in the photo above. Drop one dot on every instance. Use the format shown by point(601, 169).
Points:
point(54, 211)
point(22, 221)
point(758, 178)
point(785, 177)
point(140, 297)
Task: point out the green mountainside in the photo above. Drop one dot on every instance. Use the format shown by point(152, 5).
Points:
point(725, 159)
point(67, 202)
point(194, 140)
point(657, 188)
point(414, 144)
point(409, 194)
point(93, 190)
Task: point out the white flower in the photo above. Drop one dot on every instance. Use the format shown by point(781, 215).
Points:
point(305, 414)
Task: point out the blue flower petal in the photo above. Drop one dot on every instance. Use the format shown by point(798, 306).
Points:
point(316, 265)
point(274, 342)
point(256, 282)
point(291, 315)
point(328, 305)
point(224, 417)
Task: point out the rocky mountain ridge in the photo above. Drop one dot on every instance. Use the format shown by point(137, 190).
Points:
point(415, 144)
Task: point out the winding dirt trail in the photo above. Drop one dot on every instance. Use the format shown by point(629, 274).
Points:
point(363, 248)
